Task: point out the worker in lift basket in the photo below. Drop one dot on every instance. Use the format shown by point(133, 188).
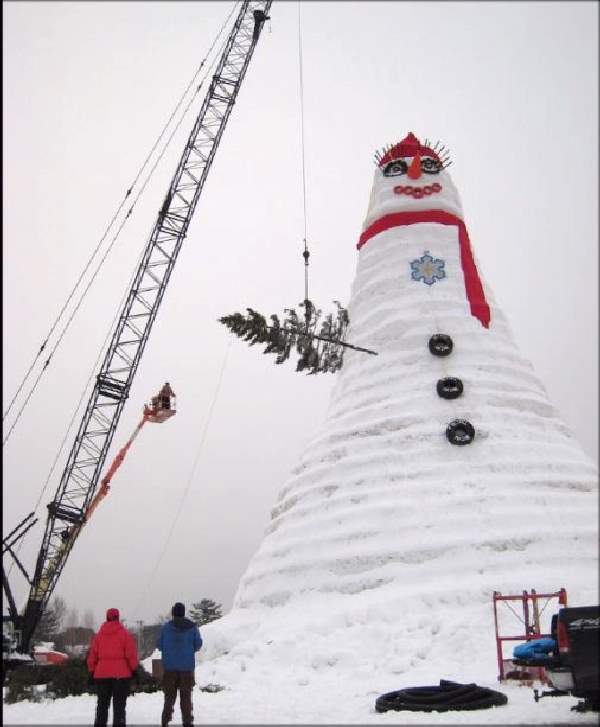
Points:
point(165, 395)
point(178, 641)
point(112, 660)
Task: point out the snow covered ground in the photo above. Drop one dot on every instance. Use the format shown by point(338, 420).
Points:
point(326, 695)
point(319, 668)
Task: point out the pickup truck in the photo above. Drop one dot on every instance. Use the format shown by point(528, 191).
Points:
point(573, 667)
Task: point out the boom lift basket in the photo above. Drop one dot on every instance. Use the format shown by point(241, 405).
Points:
point(158, 414)
point(162, 406)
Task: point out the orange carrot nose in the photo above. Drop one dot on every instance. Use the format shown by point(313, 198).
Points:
point(414, 171)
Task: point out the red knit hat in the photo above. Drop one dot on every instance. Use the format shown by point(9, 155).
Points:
point(112, 614)
point(410, 146)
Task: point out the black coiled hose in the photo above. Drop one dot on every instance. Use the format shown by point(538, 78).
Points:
point(447, 696)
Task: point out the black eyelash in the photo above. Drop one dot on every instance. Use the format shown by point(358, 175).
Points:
point(442, 153)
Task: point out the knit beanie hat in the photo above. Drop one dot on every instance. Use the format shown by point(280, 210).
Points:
point(178, 610)
point(112, 614)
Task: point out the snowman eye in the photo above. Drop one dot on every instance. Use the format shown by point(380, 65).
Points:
point(430, 166)
point(393, 169)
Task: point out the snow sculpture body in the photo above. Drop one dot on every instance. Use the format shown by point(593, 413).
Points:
point(387, 533)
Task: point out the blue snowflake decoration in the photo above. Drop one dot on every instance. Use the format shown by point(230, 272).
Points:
point(427, 269)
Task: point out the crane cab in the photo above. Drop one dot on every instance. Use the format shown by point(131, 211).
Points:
point(162, 406)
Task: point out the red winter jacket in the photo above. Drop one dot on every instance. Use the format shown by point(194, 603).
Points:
point(113, 653)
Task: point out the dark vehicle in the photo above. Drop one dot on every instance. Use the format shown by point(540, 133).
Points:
point(574, 666)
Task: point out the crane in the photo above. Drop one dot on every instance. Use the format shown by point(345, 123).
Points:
point(75, 493)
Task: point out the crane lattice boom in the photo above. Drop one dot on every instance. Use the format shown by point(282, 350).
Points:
point(79, 480)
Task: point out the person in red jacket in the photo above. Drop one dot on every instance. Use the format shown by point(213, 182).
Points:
point(112, 660)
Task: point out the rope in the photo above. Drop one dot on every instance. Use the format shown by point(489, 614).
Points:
point(62, 310)
point(510, 608)
point(43, 346)
point(544, 607)
point(189, 482)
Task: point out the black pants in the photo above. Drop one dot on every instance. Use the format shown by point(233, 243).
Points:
point(172, 682)
point(118, 691)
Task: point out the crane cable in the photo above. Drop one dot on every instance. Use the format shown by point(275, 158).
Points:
point(302, 119)
point(189, 482)
point(123, 222)
point(305, 253)
point(81, 398)
point(121, 302)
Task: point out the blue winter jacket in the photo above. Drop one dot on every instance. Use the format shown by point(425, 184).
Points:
point(178, 641)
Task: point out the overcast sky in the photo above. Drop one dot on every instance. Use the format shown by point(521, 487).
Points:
point(511, 88)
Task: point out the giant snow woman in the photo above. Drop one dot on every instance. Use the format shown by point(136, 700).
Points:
point(442, 472)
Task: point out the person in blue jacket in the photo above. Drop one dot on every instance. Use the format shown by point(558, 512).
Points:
point(178, 640)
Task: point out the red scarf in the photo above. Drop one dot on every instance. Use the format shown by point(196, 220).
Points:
point(479, 306)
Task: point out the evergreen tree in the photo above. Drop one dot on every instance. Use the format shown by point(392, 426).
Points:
point(205, 611)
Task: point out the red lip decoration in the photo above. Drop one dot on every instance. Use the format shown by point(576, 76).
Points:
point(418, 192)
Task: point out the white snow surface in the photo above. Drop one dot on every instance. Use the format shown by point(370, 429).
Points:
point(387, 542)
point(317, 676)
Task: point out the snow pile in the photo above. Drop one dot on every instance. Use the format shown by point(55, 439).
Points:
point(46, 647)
point(381, 500)
point(387, 542)
point(330, 670)
point(284, 702)
point(313, 665)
